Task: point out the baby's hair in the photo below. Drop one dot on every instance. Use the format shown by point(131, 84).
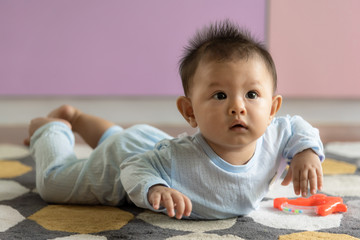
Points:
point(222, 41)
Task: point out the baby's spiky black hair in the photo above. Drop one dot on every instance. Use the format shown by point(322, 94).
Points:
point(221, 41)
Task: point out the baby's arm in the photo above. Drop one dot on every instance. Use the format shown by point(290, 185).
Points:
point(305, 169)
point(146, 178)
point(171, 199)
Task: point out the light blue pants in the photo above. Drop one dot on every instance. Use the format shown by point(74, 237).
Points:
point(63, 178)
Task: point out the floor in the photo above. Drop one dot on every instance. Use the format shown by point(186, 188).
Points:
point(163, 111)
point(16, 134)
point(328, 133)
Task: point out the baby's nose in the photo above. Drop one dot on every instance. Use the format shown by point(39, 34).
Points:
point(237, 107)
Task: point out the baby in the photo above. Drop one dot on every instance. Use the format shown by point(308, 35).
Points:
point(222, 171)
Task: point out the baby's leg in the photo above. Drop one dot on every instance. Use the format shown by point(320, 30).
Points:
point(60, 175)
point(89, 127)
point(36, 123)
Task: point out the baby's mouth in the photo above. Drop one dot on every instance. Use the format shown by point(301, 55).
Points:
point(238, 126)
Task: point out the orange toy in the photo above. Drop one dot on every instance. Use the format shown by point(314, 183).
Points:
point(318, 203)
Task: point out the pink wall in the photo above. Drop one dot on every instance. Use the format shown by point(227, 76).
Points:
point(112, 47)
point(316, 47)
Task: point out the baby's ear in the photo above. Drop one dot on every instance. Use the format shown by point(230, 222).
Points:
point(275, 106)
point(184, 106)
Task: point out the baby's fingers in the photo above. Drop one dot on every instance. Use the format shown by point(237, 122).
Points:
point(188, 206)
point(296, 182)
point(304, 183)
point(319, 174)
point(170, 199)
point(315, 179)
point(288, 178)
point(179, 205)
point(155, 199)
point(183, 206)
point(167, 202)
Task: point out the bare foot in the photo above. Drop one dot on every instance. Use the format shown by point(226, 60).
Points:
point(66, 112)
point(38, 122)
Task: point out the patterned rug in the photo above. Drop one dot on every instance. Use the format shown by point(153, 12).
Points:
point(24, 215)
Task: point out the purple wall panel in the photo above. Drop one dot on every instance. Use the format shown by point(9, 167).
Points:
point(112, 47)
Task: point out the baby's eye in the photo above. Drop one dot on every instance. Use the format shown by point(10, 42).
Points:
point(220, 96)
point(252, 95)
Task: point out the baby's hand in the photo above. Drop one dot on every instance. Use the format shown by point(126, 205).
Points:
point(171, 199)
point(305, 169)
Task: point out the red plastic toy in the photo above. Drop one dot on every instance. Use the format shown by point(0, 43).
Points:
point(319, 204)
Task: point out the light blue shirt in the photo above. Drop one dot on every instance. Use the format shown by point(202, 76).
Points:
point(128, 162)
point(216, 188)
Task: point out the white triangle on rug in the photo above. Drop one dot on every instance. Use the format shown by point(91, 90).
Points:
point(9, 217)
point(201, 236)
point(345, 149)
point(8, 151)
point(271, 217)
point(81, 237)
point(10, 189)
point(163, 221)
point(342, 185)
point(277, 190)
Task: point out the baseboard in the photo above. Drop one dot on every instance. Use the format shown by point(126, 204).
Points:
point(163, 111)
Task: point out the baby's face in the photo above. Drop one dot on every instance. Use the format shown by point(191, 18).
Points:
point(232, 102)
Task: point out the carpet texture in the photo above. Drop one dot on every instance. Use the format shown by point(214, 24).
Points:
point(24, 215)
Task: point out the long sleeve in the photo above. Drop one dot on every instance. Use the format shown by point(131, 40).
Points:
point(142, 171)
point(299, 135)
